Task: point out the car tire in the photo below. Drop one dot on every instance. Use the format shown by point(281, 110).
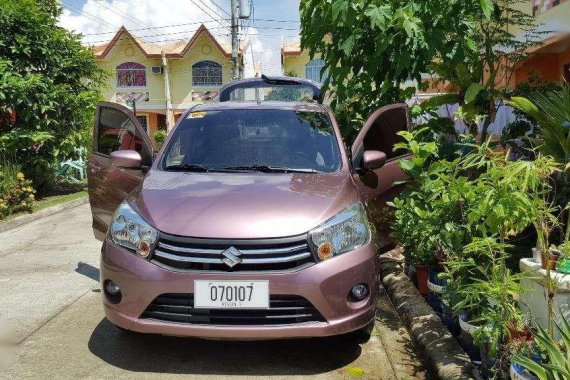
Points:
point(361, 335)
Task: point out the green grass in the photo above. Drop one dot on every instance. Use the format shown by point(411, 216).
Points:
point(49, 202)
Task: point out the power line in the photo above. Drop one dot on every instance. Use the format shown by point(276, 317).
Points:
point(242, 34)
point(121, 13)
point(274, 20)
point(220, 8)
point(216, 13)
point(154, 27)
point(193, 23)
point(208, 14)
point(88, 15)
point(193, 31)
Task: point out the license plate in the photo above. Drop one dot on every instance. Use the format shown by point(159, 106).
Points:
point(231, 294)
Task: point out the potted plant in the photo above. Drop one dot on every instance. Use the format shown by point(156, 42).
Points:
point(527, 349)
point(563, 263)
point(555, 363)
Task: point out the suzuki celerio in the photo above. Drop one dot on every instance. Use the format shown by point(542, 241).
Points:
point(252, 222)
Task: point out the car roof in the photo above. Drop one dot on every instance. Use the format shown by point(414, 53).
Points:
point(273, 105)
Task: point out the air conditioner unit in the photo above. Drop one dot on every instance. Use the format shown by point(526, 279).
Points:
point(157, 69)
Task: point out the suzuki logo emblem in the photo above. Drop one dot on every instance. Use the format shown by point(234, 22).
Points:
point(231, 257)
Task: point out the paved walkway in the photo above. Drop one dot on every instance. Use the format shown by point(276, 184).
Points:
point(52, 325)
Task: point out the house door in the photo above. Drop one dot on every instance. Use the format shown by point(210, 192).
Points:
point(161, 122)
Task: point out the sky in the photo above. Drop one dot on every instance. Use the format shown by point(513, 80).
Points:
point(170, 20)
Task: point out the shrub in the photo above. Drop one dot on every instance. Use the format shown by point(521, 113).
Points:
point(16, 192)
point(49, 85)
point(159, 137)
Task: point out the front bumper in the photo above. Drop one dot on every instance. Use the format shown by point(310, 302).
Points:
point(326, 285)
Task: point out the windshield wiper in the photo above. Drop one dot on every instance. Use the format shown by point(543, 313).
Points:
point(271, 169)
point(188, 168)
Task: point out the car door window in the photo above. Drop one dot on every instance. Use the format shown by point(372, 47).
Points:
point(116, 131)
point(383, 135)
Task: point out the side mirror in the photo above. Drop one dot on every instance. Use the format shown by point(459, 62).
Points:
point(373, 159)
point(130, 159)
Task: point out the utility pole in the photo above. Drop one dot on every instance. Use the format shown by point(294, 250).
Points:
point(240, 10)
point(235, 43)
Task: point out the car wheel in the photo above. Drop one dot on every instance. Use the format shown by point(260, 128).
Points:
point(361, 335)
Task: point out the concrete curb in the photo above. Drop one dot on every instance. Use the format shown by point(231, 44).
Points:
point(443, 354)
point(25, 219)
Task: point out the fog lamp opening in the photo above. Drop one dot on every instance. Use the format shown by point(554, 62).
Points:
point(359, 292)
point(113, 291)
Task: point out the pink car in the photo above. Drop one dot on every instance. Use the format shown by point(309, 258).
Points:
point(252, 222)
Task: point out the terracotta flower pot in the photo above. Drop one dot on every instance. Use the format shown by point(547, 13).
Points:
point(422, 279)
point(553, 259)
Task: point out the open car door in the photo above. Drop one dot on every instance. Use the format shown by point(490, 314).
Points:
point(121, 154)
point(376, 167)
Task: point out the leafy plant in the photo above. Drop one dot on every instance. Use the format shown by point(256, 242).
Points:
point(372, 49)
point(159, 137)
point(16, 192)
point(429, 220)
point(48, 88)
point(551, 110)
point(291, 73)
point(556, 365)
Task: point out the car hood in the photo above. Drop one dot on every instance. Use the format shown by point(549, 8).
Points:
point(241, 205)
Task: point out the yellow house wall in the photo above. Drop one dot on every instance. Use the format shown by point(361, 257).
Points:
point(297, 63)
point(181, 70)
point(554, 19)
point(125, 50)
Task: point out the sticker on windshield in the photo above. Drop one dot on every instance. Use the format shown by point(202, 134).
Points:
point(196, 115)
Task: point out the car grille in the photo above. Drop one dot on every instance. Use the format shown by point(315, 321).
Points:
point(283, 310)
point(195, 254)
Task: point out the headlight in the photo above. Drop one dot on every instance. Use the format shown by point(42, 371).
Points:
point(131, 231)
point(344, 232)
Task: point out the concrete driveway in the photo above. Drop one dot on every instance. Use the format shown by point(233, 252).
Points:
point(52, 325)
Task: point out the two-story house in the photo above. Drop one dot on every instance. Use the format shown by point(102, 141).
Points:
point(296, 62)
point(161, 81)
point(552, 59)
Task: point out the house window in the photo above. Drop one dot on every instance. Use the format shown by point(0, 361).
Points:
point(207, 73)
point(131, 74)
point(313, 71)
point(143, 120)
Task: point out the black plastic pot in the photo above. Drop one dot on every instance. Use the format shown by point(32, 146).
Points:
point(436, 287)
point(466, 336)
point(487, 363)
point(450, 320)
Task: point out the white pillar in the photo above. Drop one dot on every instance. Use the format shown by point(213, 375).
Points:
point(169, 111)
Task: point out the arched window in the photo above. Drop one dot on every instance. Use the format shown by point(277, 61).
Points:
point(313, 71)
point(131, 74)
point(206, 73)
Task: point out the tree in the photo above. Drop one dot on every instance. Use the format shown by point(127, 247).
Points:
point(374, 49)
point(48, 88)
point(500, 39)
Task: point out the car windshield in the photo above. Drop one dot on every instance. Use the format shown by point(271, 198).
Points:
point(268, 140)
